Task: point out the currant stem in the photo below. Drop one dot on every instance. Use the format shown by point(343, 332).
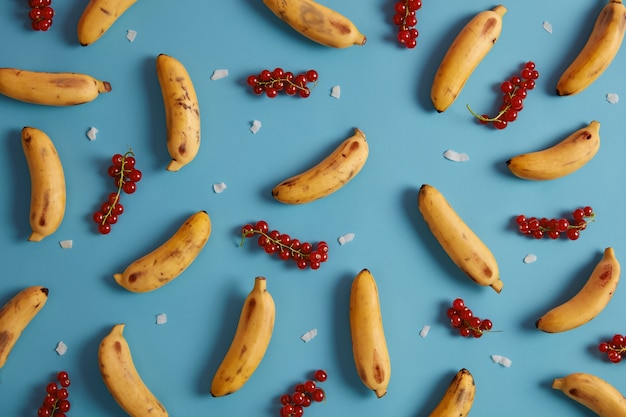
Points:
point(282, 246)
point(120, 183)
point(299, 87)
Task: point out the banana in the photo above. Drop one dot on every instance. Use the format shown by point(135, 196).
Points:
point(458, 398)
point(182, 112)
point(328, 176)
point(460, 242)
point(50, 88)
point(16, 314)
point(98, 16)
point(122, 379)
point(369, 346)
point(589, 301)
point(317, 22)
point(250, 342)
point(557, 161)
point(467, 50)
point(48, 193)
point(599, 51)
point(169, 260)
point(593, 392)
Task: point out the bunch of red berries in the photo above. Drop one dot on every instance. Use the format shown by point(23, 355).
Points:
point(463, 319)
point(614, 348)
point(406, 21)
point(303, 253)
point(40, 14)
point(55, 403)
point(304, 394)
point(126, 176)
point(553, 228)
point(273, 82)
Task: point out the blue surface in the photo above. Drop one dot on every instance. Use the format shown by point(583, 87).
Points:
point(385, 92)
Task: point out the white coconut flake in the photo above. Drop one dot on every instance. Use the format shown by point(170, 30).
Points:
point(343, 239)
point(161, 318)
point(455, 156)
point(547, 26)
point(335, 92)
point(530, 258)
point(501, 360)
point(91, 133)
point(131, 35)
point(219, 187)
point(66, 244)
point(424, 331)
point(61, 348)
point(612, 98)
point(306, 337)
point(256, 126)
point(218, 74)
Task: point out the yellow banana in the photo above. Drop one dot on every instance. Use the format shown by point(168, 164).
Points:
point(317, 22)
point(593, 392)
point(250, 342)
point(369, 346)
point(467, 50)
point(48, 193)
point(122, 379)
point(328, 176)
point(601, 48)
point(98, 16)
point(460, 242)
point(182, 112)
point(458, 398)
point(50, 88)
point(16, 314)
point(589, 301)
point(557, 161)
point(169, 260)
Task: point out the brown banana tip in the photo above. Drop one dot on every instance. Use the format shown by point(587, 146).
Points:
point(508, 162)
point(106, 87)
point(557, 383)
point(45, 291)
point(364, 41)
point(497, 286)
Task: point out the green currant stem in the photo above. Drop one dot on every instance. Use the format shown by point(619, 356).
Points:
point(299, 87)
point(120, 183)
point(592, 218)
point(280, 244)
point(496, 117)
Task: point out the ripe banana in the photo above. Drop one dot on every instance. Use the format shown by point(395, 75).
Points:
point(369, 345)
point(317, 22)
point(593, 392)
point(601, 48)
point(48, 193)
point(122, 379)
point(460, 242)
point(467, 50)
point(169, 260)
point(458, 398)
point(589, 301)
point(250, 342)
point(16, 314)
point(182, 112)
point(328, 176)
point(98, 16)
point(557, 161)
point(50, 88)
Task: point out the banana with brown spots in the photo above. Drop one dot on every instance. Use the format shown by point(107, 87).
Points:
point(98, 16)
point(593, 392)
point(458, 398)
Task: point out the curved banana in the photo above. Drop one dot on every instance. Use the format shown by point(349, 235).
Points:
point(122, 379)
point(48, 193)
point(593, 392)
point(589, 301)
point(182, 112)
point(467, 50)
point(460, 242)
point(250, 342)
point(50, 88)
point(369, 345)
point(557, 161)
point(328, 176)
point(16, 314)
point(169, 260)
point(601, 48)
point(317, 22)
point(458, 398)
point(98, 16)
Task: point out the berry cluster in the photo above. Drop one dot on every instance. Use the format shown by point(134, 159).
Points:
point(303, 253)
point(614, 348)
point(514, 92)
point(55, 403)
point(40, 14)
point(405, 19)
point(126, 176)
point(553, 228)
point(273, 82)
point(304, 394)
point(463, 319)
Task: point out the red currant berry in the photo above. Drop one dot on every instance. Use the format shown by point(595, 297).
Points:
point(311, 76)
point(318, 395)
point(320, 375)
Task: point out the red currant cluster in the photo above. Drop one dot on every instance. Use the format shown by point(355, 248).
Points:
point(56, 404)
point(553, 228)
point(273, 82)
point(405, 19)
point(304, 394)
point(514, 93)
point(40, 14)
point(463, 319)
point(126, 176)
point(303, 253)
point(614, 348)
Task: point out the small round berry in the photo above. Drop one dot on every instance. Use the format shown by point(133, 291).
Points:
point(603, 347)
point(320, 375)
point(104, 229)
point(318, 395)
point(129, 187)
point(261, 226)
point(311, 76)
point(285, 399)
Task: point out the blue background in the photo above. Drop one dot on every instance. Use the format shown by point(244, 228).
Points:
point(385, 92)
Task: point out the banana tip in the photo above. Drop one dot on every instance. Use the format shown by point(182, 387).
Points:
point(557, 383)
point(174, 166)
point(497, 286)
point(35, 237)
